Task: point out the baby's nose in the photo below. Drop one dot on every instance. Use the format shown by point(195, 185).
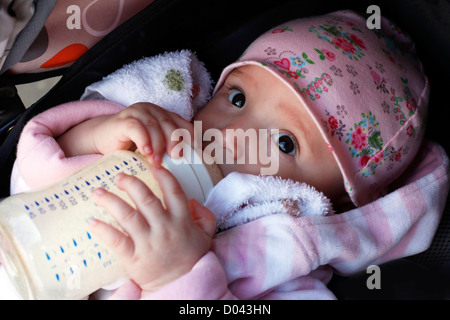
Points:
point(238, 143)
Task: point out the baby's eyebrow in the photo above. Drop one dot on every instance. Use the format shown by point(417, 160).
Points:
point(235, 73)
point(241, 77)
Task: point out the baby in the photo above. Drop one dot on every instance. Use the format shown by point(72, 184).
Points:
point(345, 108)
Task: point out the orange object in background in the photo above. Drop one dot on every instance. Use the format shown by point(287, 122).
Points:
point(65, 56)
point(72, 29)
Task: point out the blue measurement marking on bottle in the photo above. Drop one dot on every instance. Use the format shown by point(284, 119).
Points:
point(98, 178)
point(84, 262)
point(62, 249)
point(57, 277)
point(99, 255)
point(117, 168)
point(126, 163)
point(27, 208)
point(76, 187)
point(47, 200)
point(66, 192)
point(87, 182)
point(74, 242)
point(37, 203)
point(56, 196)
point(88, 235)
point(47, 255)
point(107, 172)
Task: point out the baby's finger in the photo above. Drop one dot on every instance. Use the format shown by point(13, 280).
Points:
point(166, 125)
point(115, 239)
point(128, 218)
point(203, 217)
point(174, 197)
point(158, 142)
point(145, 200)
point(134, 130)
point(184, 132)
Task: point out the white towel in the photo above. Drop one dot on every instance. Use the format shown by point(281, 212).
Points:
point(175, 81)
point(240, 198)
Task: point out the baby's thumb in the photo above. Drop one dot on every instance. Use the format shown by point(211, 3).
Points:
point(203, 217)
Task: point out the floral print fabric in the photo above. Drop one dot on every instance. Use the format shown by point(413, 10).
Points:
point(365, 88)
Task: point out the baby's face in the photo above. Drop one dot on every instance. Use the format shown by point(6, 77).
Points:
point(253, 100)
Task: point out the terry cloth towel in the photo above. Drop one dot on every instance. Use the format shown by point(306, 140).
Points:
point(176, 81)
point(241, 198)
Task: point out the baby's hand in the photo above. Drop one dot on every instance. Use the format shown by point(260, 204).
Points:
point(162, 244)
point(144, 126)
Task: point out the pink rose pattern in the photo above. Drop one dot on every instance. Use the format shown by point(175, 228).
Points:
point(366, 144)
point(364, 138)
point(350, 44)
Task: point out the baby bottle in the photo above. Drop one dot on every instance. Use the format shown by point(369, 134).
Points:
point(45, 243)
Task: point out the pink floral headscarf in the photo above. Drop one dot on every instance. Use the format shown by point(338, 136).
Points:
point(364, 88)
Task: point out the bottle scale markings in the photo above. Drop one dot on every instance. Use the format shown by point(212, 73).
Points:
point(84, 258)
point(53, 255)
point(87, 183)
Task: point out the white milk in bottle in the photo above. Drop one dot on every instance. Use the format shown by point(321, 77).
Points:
point(45, 243)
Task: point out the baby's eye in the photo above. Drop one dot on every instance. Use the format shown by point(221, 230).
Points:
point(237, 98)
point(286, 143)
